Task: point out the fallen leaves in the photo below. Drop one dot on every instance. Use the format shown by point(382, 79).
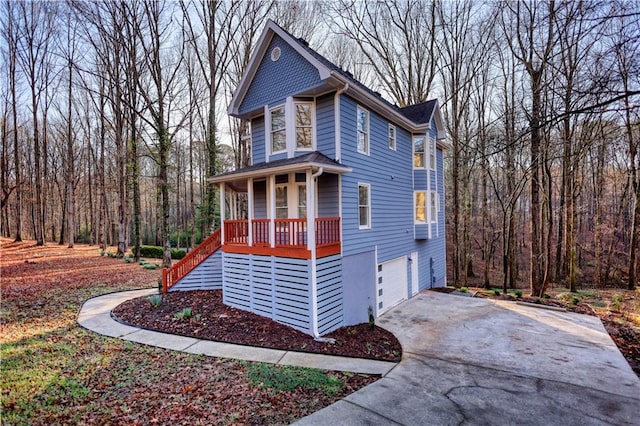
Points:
point(54, 372)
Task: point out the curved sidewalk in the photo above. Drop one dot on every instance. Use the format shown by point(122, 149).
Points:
point(95, 315)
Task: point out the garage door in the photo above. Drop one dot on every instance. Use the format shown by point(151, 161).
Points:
point(392, 283)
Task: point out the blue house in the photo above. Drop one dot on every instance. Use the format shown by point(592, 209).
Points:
point(342, 209)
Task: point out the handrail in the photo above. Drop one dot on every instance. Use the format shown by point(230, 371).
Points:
point(172, 275)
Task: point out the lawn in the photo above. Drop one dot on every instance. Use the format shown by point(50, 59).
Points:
point(55, 372)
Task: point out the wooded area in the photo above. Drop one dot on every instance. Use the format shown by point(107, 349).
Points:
point(113, 114)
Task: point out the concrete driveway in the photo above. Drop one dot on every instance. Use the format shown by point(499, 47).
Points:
point(477, 361)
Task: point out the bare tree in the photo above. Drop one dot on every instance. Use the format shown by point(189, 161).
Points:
point(530, 32)
point(398, 39)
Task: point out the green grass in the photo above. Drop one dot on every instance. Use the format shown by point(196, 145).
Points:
point(279, 378)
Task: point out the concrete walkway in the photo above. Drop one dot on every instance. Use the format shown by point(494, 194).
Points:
point(95, 315)
point(482, 362)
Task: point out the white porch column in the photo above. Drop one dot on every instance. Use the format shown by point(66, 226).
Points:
point(271, 209)
point(222, 209)
point(311, 212)
point(250, 211)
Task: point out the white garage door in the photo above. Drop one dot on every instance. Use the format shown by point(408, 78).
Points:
point(392, 283)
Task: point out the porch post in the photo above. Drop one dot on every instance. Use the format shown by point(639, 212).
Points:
point(271, 209)
point(250, 212)
point(222, 208)
point(311, 211)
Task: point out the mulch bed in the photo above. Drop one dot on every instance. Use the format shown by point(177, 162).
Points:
point(212, 320)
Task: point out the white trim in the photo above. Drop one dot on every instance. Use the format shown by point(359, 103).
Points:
point(395, 137)
point(267, 134)
point(290, 127)
point(286, 127)
point(413, 151)
point(222, 192)
point(271, 207)
point(367, 131)
point(432, 152)
point(368, 186)
point(250, 207)
point(313, 126)
point(279, 170)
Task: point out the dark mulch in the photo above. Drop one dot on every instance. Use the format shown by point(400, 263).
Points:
point(212, 320)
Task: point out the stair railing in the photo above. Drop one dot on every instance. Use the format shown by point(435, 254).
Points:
point(172, 275)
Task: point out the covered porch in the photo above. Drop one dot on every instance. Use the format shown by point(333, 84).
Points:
point(286, 208)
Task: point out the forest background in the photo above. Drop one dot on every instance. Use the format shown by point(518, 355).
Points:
point(113, 114)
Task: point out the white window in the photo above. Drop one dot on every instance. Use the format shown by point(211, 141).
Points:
point(392, 137)
point(420, 203)
point(278, 130)
point(302, 201)
point(363, 130)
point(432, 153)
point(418, 152)
point(282, 203)
point(304, 125)
point(435, 207)
point(364, 206)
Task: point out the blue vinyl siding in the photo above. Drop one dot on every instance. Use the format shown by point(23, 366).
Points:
point(205, 276)
point(276, 287)
point(274, 81)
point(392, 179)
point(325, 125)
point(260, 199)
point(257, 140)
point(329, 284)
point(328, 195)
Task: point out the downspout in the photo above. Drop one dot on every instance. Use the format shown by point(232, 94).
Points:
point(336, 107)
point(314, 277)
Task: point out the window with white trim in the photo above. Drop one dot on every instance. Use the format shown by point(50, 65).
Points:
point(418, 152)
point(282, 202)
point(302, 201)
point(362, 118)
point(278, 129)
point(392, 137)
point(432, 153)
point(304, 125)
point(420, 203)
point(364, 206)
point(435, 206)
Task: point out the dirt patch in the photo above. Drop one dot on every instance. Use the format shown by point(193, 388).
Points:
point(210, 319)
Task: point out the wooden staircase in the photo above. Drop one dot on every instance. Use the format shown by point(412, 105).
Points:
point(171, 276)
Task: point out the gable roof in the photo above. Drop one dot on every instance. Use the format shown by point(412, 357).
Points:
point(339, 79)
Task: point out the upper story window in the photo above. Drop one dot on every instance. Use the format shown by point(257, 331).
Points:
point(392, 137)
point(364, 206)
point(432, 153)
point(304, 125)
point(278, 130)
point(362, 117)
point(418, 152)
point(420, 215)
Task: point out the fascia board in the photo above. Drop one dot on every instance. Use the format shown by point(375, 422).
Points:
point(279, 170)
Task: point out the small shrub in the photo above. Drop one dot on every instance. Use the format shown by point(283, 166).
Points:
point(101, 252)
point(518, 293)
point(546, 296)
point(155, 300)
point(616, 302)
point(183, 314)
point(178, 254)
point(150, 266)
point(496, 292)
point(575, 300)
point(464, 290)
point(372, 318)
point(127, 259)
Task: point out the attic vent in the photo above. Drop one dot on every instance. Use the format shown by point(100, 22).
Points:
point(275, 54)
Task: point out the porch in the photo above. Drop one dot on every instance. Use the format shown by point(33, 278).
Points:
point(282, 237)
